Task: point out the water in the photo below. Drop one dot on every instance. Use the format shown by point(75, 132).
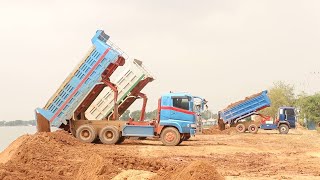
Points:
point(10, 133)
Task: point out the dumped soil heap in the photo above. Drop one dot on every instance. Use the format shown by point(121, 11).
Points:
point(194, 171)
point(216, 130)
point(43, 155)
point(58, 155)
point(266, 155)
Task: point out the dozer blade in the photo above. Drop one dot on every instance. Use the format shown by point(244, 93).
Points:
point(43, 124)
point(221, 125)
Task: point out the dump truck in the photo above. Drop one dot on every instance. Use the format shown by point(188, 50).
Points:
point(236, 113)
point(88, 104)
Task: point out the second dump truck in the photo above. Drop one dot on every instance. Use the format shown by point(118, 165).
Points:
point(235, 114)
point(88, 104)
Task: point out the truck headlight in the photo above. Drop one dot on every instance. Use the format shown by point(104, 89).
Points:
point(193, 125)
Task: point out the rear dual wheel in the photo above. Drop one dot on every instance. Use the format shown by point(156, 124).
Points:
point(241, 128)
point(110, 135)
point(86, 133)
point(253, 128)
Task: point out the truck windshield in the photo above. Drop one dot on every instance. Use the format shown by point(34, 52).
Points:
point(290, 113)
point(181, 102)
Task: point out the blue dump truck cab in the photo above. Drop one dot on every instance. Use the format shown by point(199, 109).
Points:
point(177, 115)
point(285, 120)
point(287, 115)
point(180, 110)
point(235, 113)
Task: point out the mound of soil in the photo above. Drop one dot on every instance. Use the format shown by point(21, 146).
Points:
point(194, 171)
point(39, 156)
point(216, 130)
point(58, 155)
point(134, 174)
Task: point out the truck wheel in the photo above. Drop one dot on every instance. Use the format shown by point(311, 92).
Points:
point(109, 135)
point(283, 129)
point(253, 128)
point(170, 136)
point(86, 133)
point(241, 128)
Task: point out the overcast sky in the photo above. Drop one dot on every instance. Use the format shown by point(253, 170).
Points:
point(220, 50)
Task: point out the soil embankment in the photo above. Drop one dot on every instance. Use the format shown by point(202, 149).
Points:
point(218, 155)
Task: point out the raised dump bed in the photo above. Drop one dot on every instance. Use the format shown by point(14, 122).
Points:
point(73, 90)
point(244, 108)
point(133, 79)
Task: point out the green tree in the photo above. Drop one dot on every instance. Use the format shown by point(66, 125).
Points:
point(152, 114)
point(281, 94)
point(135, 115)
point(309, 106)
point(125, 116)
point(208, 114)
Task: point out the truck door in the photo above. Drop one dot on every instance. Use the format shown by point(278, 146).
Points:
point(182, 109)
point(290, 116)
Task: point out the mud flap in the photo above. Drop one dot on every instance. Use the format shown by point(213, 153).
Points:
point(43, 125)
point(221, 125)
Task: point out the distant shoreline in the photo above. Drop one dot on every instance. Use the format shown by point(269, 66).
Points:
point(18, 123)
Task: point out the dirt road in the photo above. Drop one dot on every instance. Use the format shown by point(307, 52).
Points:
point(266, 155)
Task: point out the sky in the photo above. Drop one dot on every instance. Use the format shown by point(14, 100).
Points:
point(220, 50)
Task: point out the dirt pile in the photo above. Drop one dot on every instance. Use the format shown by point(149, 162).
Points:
point(134, 174)
point(58, 155)
point(39, 156)
point(216, 130)
point(194, 171)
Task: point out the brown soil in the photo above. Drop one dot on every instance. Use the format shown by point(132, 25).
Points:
point(194, 171)
point(266, 155)
point(216, 130)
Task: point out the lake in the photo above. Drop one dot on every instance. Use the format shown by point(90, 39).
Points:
point(10, 133)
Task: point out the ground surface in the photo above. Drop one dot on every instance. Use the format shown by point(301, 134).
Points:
point(266, 155)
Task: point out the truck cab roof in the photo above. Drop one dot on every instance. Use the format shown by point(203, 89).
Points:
point(176, 94)
point(286, 107)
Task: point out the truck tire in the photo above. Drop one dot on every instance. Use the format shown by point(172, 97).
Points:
point(170, 136)
point(109, 135)
point(241, 128)
point(253, 128)
point(283, 129)
point(86, 133)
